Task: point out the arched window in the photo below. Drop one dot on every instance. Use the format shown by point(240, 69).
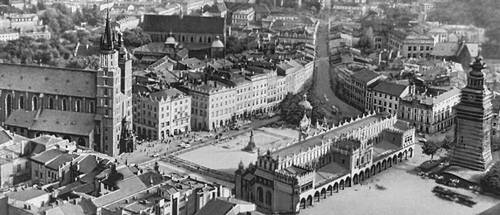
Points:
point(64, 105)
point(78, 106)
point(91, 107)
point(201, 40)
point(51, 103)
point(81, 142)
point(34, 103)
point(209, 39)
point(269, 197)
point(183, 38)
point(8, 105)
point(21, 102)
point(260, 194)
point(192, 39)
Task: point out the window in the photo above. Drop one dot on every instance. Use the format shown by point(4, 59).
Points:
point(21, 102)
point(260, 194)
point(268, 198)
point(78, 105)
point(34, 103)
point(64, 105)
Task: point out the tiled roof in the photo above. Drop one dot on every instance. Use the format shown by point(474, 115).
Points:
point(48, 80)
point(216, 206)
point(186, 24)
point(47, 156)
point(4, 136)
point(365, 75)
point(66, 209)
point(25, 195)
point(171, 92)
point(127, 188)
point(54, 121)
point(445, 49)
point(60, 160)
point(390, 88)
point(317, 140)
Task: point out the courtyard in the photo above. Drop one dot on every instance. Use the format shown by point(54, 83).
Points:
point(397, 190)
point(225, 156)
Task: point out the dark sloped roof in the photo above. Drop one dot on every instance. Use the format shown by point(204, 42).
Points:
point(186, 24)
point(53, 121)
point(390, 88)
point(48, 80)
point(47, 156)
point(365, 75)
point(60, 160)
point(216, 206)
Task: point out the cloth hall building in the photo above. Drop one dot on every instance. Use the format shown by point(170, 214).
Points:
point(91, 107)
point(294, 177)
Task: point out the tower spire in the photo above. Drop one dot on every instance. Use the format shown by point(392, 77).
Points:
point(107, 37)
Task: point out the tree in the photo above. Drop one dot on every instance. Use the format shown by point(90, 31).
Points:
point(430, 148)
point(136, 37)
point(366, 41)
point(491, 180)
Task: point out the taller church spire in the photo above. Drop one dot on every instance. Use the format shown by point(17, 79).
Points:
point(107, 38)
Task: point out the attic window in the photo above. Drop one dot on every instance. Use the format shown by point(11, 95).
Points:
point(46, 78)
point(21, 77)
point(67, 81)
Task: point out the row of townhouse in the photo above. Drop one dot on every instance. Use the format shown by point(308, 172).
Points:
point(219, 101)
point(429, 111)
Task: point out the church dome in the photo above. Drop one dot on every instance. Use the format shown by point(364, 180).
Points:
point(170, 40)
point(305, 104)
point(217, 43)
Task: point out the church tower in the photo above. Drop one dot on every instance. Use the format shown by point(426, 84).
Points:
point(473, 122)
point(114, 93)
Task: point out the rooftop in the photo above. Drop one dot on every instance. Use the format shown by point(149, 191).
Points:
point(168, 93)
point(390, 88)
point(366, 75)
point(317, 140)
point(53, 121)
point(26, 195)
point(222, 206)
point(60, 160)
point(48, 80)
point(47, 156)
point(184, 24)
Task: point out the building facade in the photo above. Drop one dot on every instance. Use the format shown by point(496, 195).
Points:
point(185, 29)
point(161, 114)
point(473, 122)
point(384, 97)
point(296, 176)
point(354, 86)
point(410, 44)
point(430, 114)
point(242, 17)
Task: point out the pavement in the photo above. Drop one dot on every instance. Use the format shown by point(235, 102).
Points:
point(148, 152)
point(322, 85)
point(398, 190)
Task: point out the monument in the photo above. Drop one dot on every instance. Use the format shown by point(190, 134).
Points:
point(251, 144)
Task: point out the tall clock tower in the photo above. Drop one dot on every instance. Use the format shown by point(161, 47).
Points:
point(473, 122)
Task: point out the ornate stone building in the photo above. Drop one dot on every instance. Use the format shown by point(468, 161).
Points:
point(62, 97)
point(296, 176)
point(473, 122)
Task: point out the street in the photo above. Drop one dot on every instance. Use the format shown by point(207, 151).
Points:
point(321, 85)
